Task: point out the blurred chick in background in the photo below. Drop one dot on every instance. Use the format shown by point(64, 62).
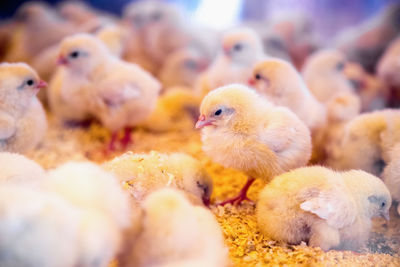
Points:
point(260, 139)
point(327, 209)
point(240, 49)
point(23, 122)
point(173, 230)
point(143, 174)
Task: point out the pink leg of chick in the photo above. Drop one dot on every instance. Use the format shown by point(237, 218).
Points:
point(242, 194)
point(126, 139)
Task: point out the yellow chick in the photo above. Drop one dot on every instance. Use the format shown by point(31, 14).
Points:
point(323, 74)
point(23, 122)
point(326, 209)
point(177, 109)
point(365, 140)
point(145, 173)
point(242, 130)
point(174, 230)
point(280, 82)
point(391, 175)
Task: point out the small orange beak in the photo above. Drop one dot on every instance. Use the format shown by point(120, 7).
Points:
point(386, 215)
point(62, 60)
point(202, 122)
point(251, 82)
point(227, 50)
point(41, 84)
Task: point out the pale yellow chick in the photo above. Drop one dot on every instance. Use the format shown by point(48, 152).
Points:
point(326, 209)
point(244, 131)
point(391, 175)
point(174, 230)
point(143, 174)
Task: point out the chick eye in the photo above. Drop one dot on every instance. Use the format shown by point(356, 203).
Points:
point(340, 66)
point(190, 64)
point(30, 82)
point(383, 204)
point(258, 76)
point(237, 47)
point(218, 112)
point(74, 54)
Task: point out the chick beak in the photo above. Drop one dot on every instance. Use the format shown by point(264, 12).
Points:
point(202, 122)
point(41, 84)
point(251, 82)
point(206, 201)
point(62, 60)
point(202, 66)
point(227, 51)
point(386, 215)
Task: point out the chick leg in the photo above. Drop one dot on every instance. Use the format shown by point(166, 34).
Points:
point(127, 139)
point(398, 208)
point(111, 145)
point(242, 194)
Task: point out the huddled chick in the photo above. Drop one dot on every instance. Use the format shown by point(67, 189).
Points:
point(391, 175)
point(242, 130)
point(143, 174)
point(174, 231)
point(365, 141)
point(105, 208)
point(240, 49)
point(323, 74)
point(23, 122)
point(327, 209)
point(119, 94)
point(176, 110)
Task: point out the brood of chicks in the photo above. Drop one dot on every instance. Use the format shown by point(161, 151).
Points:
point(262, 115)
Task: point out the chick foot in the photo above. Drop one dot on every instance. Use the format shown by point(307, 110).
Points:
point(241, 196)
point(124, 141)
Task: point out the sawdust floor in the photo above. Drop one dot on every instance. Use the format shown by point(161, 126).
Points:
point(246, 244)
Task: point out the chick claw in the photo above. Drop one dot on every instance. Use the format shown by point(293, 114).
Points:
point(241, 196)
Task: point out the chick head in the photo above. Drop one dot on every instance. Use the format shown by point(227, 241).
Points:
point(32, 10)
point(233, 107)
point(82, 53)
point(272, 76)
point(344, 106)
point(18, 84)
point(242, 45)
point(372, 193)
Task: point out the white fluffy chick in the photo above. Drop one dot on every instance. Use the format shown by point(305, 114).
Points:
point(242, 130)
point(365, 141)
point(11, 171)
point(173, 230)
point(391, 177)
point(323, 74)
point(23, 121)
point(327, 209)
point(182, 68)
point(105, 206)
point(37, 229)
point(121, 94)
point(176, 110)
point(143, 174)
point(280, 82)
point(240, 49)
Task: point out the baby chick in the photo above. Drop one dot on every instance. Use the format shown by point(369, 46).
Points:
point(37, 229)
point(242, 130)
point(280, 82)
point(120, 94)
point(173, 230)
point(323, 74)
point(391, 177)
point(241, 48)
point(23, 121)
point(106, 208)
point(182, 68)
point(11, 171)
point(146, 173)
point(327, 209)
point(176, 110)
point(366, 139)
